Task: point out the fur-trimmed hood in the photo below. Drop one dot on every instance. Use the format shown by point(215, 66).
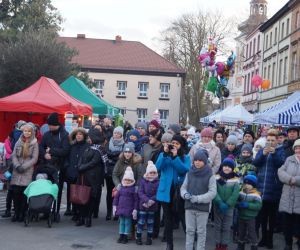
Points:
point(72, 136)
point(136, 158)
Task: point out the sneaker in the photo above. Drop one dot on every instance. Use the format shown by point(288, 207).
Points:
point(125, 239)
point(120, 240)
point(149, 241)
point(138, 241)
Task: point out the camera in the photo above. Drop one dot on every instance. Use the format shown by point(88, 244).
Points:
point(170, 147)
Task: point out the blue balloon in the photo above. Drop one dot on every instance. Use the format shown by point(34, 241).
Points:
point(223, 81)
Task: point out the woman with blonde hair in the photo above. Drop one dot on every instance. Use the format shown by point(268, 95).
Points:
point(24, 157)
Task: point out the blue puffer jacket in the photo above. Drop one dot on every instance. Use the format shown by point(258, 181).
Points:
point(172, 171)
point(268, 182)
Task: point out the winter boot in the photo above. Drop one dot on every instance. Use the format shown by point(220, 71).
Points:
point(287, 247)
point(169, 246)
point(88, 222)
point(7, 214)
point(269, 244)
point(125, 239)
point(120, 240)
point(80, 222)
point(224, 247)
point(263, 242)
point(218, 247)
point(138, 240)
point(254, 247)
point(149, 239)
point(241, 246)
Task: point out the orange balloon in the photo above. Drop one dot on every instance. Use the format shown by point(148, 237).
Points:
point(265, 84)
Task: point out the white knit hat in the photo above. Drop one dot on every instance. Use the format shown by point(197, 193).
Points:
point(151, 167)
point(296, 144)
point(128, 175)
point(191, 131)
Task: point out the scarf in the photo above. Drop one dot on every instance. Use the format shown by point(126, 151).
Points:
point(148, 178)
point(245, 159)
point(116, 145)
point(200, 171)
point(225, 177)
point(103, 155)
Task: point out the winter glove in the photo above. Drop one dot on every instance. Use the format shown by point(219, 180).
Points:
point(223, 207)
point(187, 196)
point(150, 203)
point(134, 214)
point(145, 205)
point(243, 204)
point(194, 199)
point(20, 170)
point(114, 210)
point(118, 187)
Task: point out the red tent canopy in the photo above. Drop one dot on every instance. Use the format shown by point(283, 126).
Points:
point(44, 96)
point(35, 103)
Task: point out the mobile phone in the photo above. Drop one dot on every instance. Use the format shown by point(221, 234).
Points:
point(268, 145)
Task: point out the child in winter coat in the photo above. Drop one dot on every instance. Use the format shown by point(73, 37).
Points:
point(249, 205)
point(245, 166)
point(227, 194)
point(147, 203)
point(125, 205)
point(198, 190)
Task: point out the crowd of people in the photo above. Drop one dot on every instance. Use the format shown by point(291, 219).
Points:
point(246, 184)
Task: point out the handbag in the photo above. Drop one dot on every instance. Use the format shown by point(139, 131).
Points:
point(79, 193)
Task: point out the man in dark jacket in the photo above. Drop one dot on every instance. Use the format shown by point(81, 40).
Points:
point(108, 128)
point(248, 138)
point(293, 135)
point(54, 148)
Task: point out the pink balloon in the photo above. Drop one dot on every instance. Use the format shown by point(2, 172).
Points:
point(220, 68)
point(256, 81)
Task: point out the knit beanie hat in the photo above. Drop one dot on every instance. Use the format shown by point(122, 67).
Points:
point(296, 144)
point(191, 131)
point(207, 132)
point(179, 139)
point(167, 137)
point(228, 162)
point(174, 129)
point(41, 176)
point(141, 125)
point(261, 142)
point(249, 132)
point(155, 123)
point(20, 124)
point(53, 119)
point(96, 136)
point(128, 175)
point(296, 128)
point(156, 133)
point(134, 132)
point(232, 139)
point(119, 130)
point(250, 179)
point(247, 147)
point(201, 155)
point(150, 168)
point(129, 147)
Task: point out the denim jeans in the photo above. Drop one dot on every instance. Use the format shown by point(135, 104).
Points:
point(125, 225)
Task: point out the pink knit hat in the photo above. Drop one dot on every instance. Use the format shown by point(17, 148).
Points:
point(207, 132)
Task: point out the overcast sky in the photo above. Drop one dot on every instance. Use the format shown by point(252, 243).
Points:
point(141, 20)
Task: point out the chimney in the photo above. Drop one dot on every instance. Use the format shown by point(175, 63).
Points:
point(80, 36)
point(118, 38)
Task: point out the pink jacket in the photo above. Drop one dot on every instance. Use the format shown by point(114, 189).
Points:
point(7, 145)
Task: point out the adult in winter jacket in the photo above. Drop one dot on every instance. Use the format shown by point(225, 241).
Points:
point(53, 150)
point(267, 162)
point(78, 141)
point(292, 136)
point(289, 175)
point(114, 149)
point(91, 170)
point(230, 148)
point(172, 164)
point(127, 158)
point(24, 157)
point(248, 138)
point(208, 144)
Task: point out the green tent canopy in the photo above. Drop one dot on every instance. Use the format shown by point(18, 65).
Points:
point(81, 92)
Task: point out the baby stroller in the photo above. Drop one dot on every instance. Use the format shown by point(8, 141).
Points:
point(42, 195)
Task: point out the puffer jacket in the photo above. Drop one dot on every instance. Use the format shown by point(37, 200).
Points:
point(268, 183)
point(290, 197)
point(214, 154)
point(23, 179)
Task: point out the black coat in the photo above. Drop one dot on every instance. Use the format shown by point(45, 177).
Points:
point(288, 148)
point(113, 157)
point(91, 168)
point(225, 152)
point(71, 164)
point(59, 147)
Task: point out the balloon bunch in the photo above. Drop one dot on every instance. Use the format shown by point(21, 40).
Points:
point(257, 81)
point(219, 72)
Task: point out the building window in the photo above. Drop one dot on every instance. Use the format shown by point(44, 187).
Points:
point(164, 90)
point(252, 87)
point(254, 46)
point(285, 76)
point(248, 84)
point(247, 51)
point(297, 21)
point(142, 115)
point(99, 84)
point(143, 88)
point(282, 30)
point(269, 72)
point(122, 88)
point(287, 26)
point(258, 43)
point(267, 41)
point(294, 66)
point(280, 80)
point(250, 49)
point(123, 111)
point(273, 74)
point(245, 84)
point(275, 36)
point(164, 115)
point(265, 72)
point(271, 38)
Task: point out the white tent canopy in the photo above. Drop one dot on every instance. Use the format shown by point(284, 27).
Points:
point(210, 117)
point(285, 112)
point(234, 114)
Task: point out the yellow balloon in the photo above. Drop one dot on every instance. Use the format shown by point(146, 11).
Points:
point(265, 84)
